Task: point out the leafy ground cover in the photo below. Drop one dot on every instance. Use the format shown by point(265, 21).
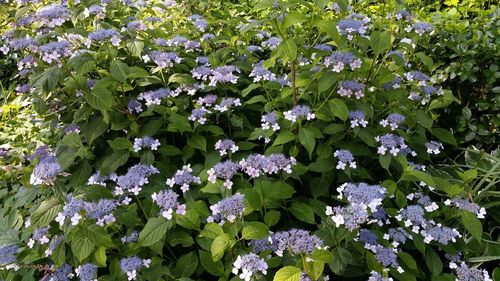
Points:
point(261, 140)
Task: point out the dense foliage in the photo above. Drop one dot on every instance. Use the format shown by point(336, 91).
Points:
point(261, 140)
point(465, 53)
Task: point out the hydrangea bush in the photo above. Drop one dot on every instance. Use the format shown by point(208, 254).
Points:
point(262, 140)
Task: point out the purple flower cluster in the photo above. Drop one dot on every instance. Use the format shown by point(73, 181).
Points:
point(18, 44)
point(39, 235)
point(218, 75)
point(207, 100)
point(256, 164)
point(228, 209)
point(387, 257)
point(101, 180)
point(368, 196)
point(86, 272)
point(394, 84)
point(63, 273)
point(398, 236)
point(46, 170)
point(433, 147)
point(71, 210)
point(199, 115)
point(393, 120)
point(153, 96)
point(183, 178)
point(466, 204)
point(270, 120)
point(53, 15)
point(394, 143)
point(344, 158)
point(132, 237)
point(354, 24)
point(226, 145)
point(8, 254)
point(100, 35)
point(357, 119)
point(296, 241)
point(418, 76)
point(272, 43)
point(227, 103)
point(466, 273)
point(340, 60)
point(299, 111)
point(136, 25)
point(199, 22)
point(72, 128)
point(134, 179)
point(131, 265)
point(167, 200)
point(54, 51)
point(223, 170)
point(163, 59)
point(375, 276)
point(348, 88)
point(54, 243)
point(259, 73)
point(146, 142)
point(250, 265)
point(101, 211)
point(420, 28)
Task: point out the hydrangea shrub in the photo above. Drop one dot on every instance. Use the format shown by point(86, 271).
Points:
point(266, 140)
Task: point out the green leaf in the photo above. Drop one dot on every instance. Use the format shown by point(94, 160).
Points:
point(214, 268)
point(255, 230)
point(48, 79)
point(288, 273)
point(380, 41)
point(219, 246)
point(119, 70)
point(326, 81)
point(186, 265)
point(472, 224)
point(303, 212)
point(272, 217)
point(283, 137)
point(100, 256)
point(178, 123)
point(154, 230)
point(97, 235)
point(190, 220)
point(339, 109)
point(81, 247)
point(183, 79)
point(120, 143)
point(424, 120)
point(212, 230)
point(198, 142)
point(249, 89)
point(180, 237)
point(408, 260)
point(72, 140)
point(46, 212)
point(114, 161)
point(94, 129)
point(444, 135)
point(135, 48)
point(306, 138)
point(100, 98)
point(433, 262)
point(82, 64)
point(290, 49)
point(483, 259)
